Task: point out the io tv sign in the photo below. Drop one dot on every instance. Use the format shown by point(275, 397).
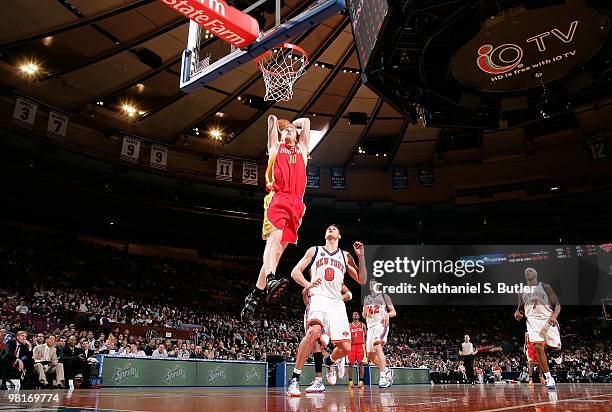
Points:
point(222, 20)
point(525, 48)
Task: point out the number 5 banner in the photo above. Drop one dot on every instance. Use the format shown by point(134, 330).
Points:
point(224, 169)
point(57, 126)
point(130, 149)
point(249, 173)
point(25, 113)
point(159, 157)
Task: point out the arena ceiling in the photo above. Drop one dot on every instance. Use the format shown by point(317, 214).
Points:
point(96, 58)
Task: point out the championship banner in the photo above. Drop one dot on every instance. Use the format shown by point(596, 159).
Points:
point(57, 126)
point(122, 371)
point(130, 149)
point(24, 113)
point(400, 178)
point(225, 169)
point(313, 177)
point(159, 157)
point(338, 178)
point(426, 176)
point(489, 274)
point(249, 173)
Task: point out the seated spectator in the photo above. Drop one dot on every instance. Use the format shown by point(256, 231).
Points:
point(160, 353)
point(134, 352)
point(16, 361)
point(46, 362)
point(197, 353)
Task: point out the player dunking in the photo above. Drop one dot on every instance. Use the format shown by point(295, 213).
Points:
point(542, 326)
point(328, 265)
point(317, 351)
point(357, 353)
point(283, 206)
point(377, 309)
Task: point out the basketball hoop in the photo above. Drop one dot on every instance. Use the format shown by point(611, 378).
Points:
point(281, 67)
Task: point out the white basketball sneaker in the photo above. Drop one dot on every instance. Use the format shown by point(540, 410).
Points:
point(551, 384)
point(293, 389)
point(331, 375)
point(390, 375)
point(316, 386)
point(383, 382)
point(341, 368)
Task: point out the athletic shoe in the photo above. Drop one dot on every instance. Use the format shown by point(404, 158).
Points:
point(341, 368)
point(360, 386)
point(550, 384)
point(316, 386)
point(275, 286)
point(530, 382)
point(293, 389)
point(351, 385)
point(390, 375)
point(383, 382)
point(331, 375)
point(251, 302)
point(542, 380)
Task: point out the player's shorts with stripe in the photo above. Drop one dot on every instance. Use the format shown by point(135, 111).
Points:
point(284, 212)
point(356, 354)
point(331, 315)
point(377, 333)
point(536, 327)
point(324, 338)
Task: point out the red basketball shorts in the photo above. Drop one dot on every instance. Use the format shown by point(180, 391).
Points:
point(356, 354)
point(531, 353)
point(284, 212)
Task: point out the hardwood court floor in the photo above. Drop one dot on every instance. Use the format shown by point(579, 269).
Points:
point(504, 397)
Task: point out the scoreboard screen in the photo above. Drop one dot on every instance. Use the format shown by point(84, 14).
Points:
point(367, 17)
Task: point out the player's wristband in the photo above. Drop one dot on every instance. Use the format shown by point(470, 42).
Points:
point(350, 295)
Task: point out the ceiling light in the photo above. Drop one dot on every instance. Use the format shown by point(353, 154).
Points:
point(215, 134)
point(129, 109)
point(220, 114)
point(30, 68)
point(48, 40)
point(100, 103)
point(140, 87)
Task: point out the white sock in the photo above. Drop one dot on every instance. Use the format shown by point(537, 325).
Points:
point(320, 379)
point(548, 375)
point(298, 371)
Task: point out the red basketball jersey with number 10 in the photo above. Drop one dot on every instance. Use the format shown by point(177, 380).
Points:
point(330, 268)
point(286, 172)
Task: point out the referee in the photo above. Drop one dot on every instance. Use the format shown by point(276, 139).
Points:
point(467, 352)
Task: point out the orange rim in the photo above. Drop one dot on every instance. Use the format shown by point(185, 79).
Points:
point(283, 46)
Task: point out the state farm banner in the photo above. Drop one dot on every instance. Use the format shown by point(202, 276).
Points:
point(221, 19)
point(524, 48)
point(488, 274)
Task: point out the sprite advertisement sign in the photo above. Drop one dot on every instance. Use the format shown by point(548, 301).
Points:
point(120, 371)
point(402, 376)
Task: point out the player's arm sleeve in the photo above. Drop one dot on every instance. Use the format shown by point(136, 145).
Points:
point(272, 132)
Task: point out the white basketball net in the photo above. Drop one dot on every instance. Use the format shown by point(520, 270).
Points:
point(280, 69)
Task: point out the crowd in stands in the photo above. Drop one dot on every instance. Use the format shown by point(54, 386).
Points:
point(63, 302)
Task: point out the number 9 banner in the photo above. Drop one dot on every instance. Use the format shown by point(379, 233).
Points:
point(130, 149)
point(159, 157)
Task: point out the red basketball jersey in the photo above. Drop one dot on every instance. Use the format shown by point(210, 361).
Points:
point(286, 171)
point(357, 334)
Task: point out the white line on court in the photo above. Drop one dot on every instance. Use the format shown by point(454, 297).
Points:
point(545, 403)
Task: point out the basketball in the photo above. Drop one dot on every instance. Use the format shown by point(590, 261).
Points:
point(172, 172)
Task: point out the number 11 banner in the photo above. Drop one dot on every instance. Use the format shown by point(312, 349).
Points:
point(224, 169)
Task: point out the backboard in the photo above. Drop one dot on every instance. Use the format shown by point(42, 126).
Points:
point(207, 57)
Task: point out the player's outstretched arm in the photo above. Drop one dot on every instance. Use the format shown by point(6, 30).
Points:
point(304, 124)
point(360, 274)
point(390, 307)
point(298, 270)
point(554, 300)
point(272, 133)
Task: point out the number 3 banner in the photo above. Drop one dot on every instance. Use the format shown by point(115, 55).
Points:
point(249, 173)
point(57, 126)
point(159, 157)
point(25, 113)
point(130, 149)
point(224, 169)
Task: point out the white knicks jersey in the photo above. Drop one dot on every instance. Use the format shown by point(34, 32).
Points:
point(375, 309)
point(537, 304)
point(330, 268)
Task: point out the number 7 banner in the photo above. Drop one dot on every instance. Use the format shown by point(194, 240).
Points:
point(57, 126)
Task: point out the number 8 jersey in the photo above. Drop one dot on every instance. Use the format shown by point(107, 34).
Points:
point(330, 268)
